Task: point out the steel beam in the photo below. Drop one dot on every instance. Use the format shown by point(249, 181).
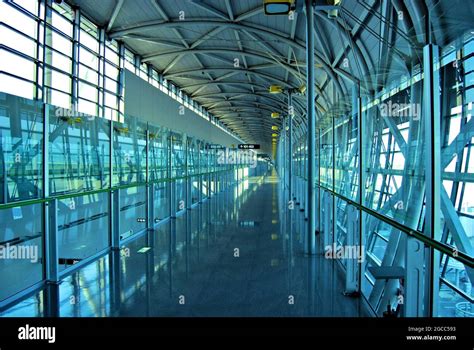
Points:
point(311, 119)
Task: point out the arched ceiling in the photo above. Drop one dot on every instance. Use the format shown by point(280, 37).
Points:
point(226, 53)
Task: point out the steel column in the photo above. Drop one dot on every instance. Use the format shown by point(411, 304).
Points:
point(414, 279)
point(432, 120)
point(311, 199)
point(290, 145)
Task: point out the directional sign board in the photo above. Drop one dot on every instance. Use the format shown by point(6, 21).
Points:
point(248, 146)
point(214, 146)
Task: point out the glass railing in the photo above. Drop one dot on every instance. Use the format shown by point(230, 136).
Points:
point(103, 183)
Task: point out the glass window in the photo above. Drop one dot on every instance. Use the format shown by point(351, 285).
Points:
point(17, 65)
point(31, 6)
point(61, 23)
point(61, 62)
point(111, 85)
point(111, 71)
point(89, 41)
point(17, 41)
point(58, 98)
point(59, 42)
point(88, 58)
point(111, 53)
point(87, 91)
point(59, 81)
point(87, 107)
point(16, 86)
point(88, 74)
point(18, 20)
point(111, 100)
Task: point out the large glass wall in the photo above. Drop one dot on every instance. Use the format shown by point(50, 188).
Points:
point(378, 160)
point(21, 180)
point(67, 145)
point(95, 186)
point(457, 179)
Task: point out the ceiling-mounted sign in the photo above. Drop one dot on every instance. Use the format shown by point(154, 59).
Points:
point(214, 146)
point(248, 146)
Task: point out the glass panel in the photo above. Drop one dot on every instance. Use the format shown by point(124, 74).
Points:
point(88, 287)
point(178, 155)
point(129, 152)
point(58, 98)
point(16, 19)
point(17, 41)
point(21, 123)
point(83, 227)
point(88, 92)
point(394, 154)
point(61, 61)
point(455, 286)
point(132, 211)
point(158, 156)
point(162, 202)
point(88, 74)
point(457, 151)
point(78, 152)
point(88, 58)
point(346, 162)
point(385, 247)
point(21, 248)
point(58, 41)
point(16, 65)
point(181, 195)
point(58, 81)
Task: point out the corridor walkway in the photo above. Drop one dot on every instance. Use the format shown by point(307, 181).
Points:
point(237, 254)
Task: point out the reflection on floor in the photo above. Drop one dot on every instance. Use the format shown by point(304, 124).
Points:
point(237, 254)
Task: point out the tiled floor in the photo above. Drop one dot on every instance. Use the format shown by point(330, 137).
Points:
point(237, 254)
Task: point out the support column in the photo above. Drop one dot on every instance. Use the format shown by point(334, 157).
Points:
point(150, 187)
point(199, 179)
point(310, 113)
point(50, 224)
point(75, 59)
point(357, 113)
point(432, 120)
point(290, 146)
point(52, 254)
point(327, 222)
point(353, 264)
point(412, 301)
point(114, 197)
point(172, 183)
point(283, 151)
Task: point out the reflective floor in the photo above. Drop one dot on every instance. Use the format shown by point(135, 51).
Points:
point(237, 254)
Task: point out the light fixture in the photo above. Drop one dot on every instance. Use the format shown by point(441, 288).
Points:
point(275, 115)
point(277, 7)
point(334, 13)
point(274, 127)
point(302, 89)
point(275, 89)
point(274, 135)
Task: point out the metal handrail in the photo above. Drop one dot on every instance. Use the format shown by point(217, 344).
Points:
point(104, 190)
